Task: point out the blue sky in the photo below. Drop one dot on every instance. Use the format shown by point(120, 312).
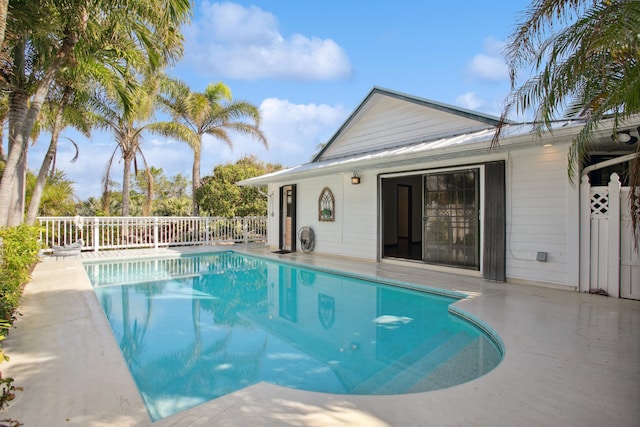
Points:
point(309, 64)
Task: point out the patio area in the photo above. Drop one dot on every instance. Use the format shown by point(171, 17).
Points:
point(570, 359)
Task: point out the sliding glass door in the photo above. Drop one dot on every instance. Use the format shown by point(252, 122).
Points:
point(451, 223)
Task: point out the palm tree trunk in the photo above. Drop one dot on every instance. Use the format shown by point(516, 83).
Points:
point(12, 184)
point(195, 179)
point(34, 205)
point(4, 7)
point(11, 177)
point(126, 184)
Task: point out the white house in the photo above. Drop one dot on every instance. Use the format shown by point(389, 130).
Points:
point(410, 180)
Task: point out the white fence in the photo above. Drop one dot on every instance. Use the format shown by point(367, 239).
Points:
point(609, 259)
point(100, 233)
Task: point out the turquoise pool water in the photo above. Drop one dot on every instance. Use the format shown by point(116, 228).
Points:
point(195, 328)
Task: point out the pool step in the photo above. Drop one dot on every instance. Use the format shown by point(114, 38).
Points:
point(402, 376)
point(464, 366)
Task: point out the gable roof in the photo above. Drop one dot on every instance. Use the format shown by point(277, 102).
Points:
point(386, 119)
point(403, 146)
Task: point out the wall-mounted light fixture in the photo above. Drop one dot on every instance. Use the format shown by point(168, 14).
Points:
point(355, 179)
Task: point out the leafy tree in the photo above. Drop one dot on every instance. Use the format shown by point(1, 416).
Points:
point(57, 197)
point(171, 195)
point(220, 196)
point(90, 207)
point(585, 57)
point(212, 112)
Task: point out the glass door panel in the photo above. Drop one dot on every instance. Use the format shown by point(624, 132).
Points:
point(451, 219)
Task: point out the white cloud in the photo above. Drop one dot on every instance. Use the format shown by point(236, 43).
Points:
point(475, 102)
point(470, 100)
point(233, 41)
point(489, 65)
point(293, 132)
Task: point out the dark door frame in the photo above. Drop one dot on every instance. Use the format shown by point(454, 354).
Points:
point(287, 210)
point(409, 213)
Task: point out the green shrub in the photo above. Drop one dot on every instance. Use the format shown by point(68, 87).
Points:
point(19, 248)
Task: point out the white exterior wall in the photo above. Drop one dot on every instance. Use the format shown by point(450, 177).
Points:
point(389, 122)
point(542, 216)
point(354, 231)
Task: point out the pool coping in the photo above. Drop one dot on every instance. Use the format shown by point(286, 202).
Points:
point(569, 359)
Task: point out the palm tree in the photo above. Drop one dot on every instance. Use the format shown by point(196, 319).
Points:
point(128, 121)
point(212, 112)
point(66, 105)
point(586, 55)
point(52, 35)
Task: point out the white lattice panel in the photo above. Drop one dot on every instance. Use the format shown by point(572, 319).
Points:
point(599, 202)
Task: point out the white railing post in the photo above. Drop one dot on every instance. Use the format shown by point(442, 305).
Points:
point(155, 232)
point(613, 249)
point(245, 229)
point(96, 234)
point(585, 234)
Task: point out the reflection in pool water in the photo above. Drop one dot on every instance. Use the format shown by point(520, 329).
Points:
point(195, 328)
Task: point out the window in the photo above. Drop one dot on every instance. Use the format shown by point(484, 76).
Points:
point(326, 205)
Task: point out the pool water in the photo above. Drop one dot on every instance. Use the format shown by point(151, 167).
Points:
point(194, 328)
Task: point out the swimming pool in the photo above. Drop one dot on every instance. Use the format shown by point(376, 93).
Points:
point(197, 327)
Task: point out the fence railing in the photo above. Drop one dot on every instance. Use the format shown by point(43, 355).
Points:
point(101, 233)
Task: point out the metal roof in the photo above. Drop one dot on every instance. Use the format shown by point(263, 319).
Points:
point(414, 152)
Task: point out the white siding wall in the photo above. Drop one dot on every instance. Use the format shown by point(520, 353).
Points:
point(541, 214)
point(539, 197)
point(389, 122)
point(273, 216)
point(354, 231)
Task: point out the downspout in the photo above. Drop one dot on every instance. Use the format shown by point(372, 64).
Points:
point(609, 162)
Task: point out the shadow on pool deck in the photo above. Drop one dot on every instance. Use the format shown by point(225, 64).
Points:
point(570, 359)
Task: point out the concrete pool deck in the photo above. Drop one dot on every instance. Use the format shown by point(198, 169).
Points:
point(571, 359)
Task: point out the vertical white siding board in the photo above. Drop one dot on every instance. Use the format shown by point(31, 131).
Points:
point(613, 242)
point(601, 248)
point(573, 235)
point(629, 256)
point(528, 186)
point(585, 234)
